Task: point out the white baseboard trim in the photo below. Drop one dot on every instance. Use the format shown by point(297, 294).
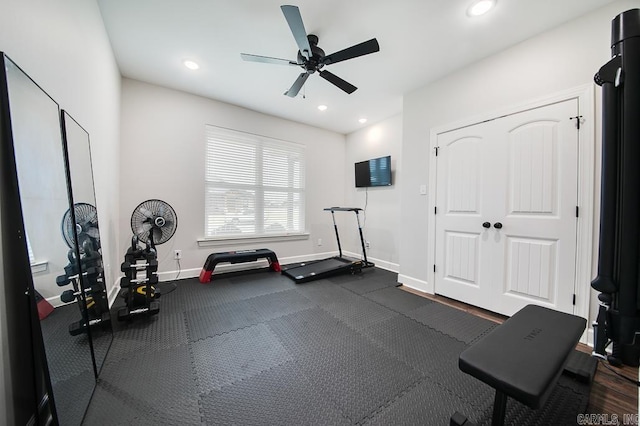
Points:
point(587, 338)
point(113, 293)
point(382, 264)
point(56, 302)
point(414, 283)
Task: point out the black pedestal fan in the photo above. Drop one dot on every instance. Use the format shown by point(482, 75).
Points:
point(154, 222)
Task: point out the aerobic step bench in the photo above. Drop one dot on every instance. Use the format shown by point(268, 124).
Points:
point(239, 256)
point(522, 358)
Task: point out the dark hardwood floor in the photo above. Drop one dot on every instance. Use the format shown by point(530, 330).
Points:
point(610, 394)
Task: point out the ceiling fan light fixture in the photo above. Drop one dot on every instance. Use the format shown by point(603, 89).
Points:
point(322, 107)
point(191, 64)
point(480, 7)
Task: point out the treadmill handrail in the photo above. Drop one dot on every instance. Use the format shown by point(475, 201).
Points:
point(356, 210)
point(343, 209)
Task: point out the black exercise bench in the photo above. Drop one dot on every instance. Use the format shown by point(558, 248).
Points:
point(239, 256)
point(522, 358)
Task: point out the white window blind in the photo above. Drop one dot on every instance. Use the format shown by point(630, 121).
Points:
point(254, 185)
point(32, 258)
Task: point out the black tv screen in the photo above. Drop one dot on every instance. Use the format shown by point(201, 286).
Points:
point(374, 172)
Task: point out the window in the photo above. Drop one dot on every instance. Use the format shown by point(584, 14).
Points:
point(32, 258)
point(254, 185)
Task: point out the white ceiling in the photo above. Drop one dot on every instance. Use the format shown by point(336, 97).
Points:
point(420, 41)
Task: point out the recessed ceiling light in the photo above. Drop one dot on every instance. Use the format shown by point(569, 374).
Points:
point(191, 65)
point(480, 7)
point(362, 120)
point(322, 107)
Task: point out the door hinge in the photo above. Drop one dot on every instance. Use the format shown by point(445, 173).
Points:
point(574, 299)
point(434, 267)
point(435, 209)
point(577, 211)
point(579, 120)
point(437, 148)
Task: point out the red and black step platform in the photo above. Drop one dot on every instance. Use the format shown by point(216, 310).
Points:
point(238, 256)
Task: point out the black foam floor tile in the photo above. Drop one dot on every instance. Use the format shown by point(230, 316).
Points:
point(191, 294)
point(149, 333)
point(397, 300)
point(286, 353)
point(421, 347)
point(72, 397)
point(281, 395)
point(462, 385)
point(581, 366)
point(365, 285)
point(359, 313)
point(67, 356)
point(561, 408)
point(226, 317)
point(115, 406)
point(358, 378)
point(226, 359)
point(426, 403)
point(147, 388)
point(323, 292)
point(262, 276)
point(312, 331)
point(275, 305)
point(451, 321)
point(219, 319)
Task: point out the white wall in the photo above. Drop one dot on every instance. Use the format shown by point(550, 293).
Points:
point(162, 156)
point(64, 47)
point(382, 224)
point(560, 59)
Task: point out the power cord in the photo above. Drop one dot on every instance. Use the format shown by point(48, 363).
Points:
point(366, 202)
point(622, 376)
point(179, 269)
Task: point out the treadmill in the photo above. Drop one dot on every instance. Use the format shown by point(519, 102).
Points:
point(319, 269)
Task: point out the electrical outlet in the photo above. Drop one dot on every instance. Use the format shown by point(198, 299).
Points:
point(367, 244)
point(177, 254)
point(319, 241)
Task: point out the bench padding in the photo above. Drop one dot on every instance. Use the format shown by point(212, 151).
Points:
point(524, 357)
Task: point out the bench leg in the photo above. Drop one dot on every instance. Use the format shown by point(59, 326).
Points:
point(499, 409)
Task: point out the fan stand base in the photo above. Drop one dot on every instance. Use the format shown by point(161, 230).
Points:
point(166, 287)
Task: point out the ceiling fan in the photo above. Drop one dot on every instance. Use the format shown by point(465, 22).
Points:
point(311, 58)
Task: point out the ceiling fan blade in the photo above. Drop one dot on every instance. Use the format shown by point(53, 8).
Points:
point(364, 48)
point(266, 59)
point(294, 19)
point(297, 85)
point(337, 81)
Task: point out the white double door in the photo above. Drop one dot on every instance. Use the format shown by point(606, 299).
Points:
point(506, 211)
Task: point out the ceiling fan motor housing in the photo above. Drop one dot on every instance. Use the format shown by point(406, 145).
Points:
point(314, 63)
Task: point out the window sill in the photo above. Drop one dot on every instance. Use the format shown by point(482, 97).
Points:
point(38, 267)
point(222, 241)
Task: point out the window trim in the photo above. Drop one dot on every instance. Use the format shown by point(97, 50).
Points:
point(236, 239)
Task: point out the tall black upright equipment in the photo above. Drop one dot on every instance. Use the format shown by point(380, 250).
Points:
point(618, 279)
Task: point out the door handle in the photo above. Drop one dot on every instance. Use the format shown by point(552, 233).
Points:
point(497, 225)
point(486, 225)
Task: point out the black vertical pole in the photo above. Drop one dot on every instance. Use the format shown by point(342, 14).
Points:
point(335, 227)
point(626, 43)
point(364, 251)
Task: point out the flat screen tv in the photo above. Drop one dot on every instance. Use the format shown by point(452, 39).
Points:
point(374, 172)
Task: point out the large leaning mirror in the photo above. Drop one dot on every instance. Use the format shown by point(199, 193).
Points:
point(45, 199)
point(89, 253)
